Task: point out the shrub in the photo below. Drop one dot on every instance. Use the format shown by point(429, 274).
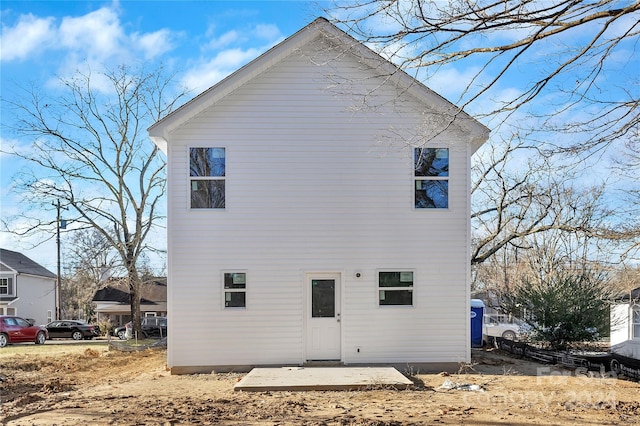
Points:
point(563, 308)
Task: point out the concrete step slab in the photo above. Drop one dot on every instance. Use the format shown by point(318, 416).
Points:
point(321, 378)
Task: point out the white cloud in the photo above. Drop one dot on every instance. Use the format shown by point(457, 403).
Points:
point(223, 41)
point(206, 73)
point(267, 32)
point(153, 44)
point(29, 35)
point(450, 81)
point(96, 38)
point(98, 33)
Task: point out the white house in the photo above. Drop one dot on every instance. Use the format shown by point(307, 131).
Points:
point(318, 210)
point(113, 302)
point(27, 289)
point(625, 325)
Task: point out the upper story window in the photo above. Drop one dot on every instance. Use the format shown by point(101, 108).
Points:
point(207, 177)
point(431, 178)
point(6, 286)
point(635, 322)
point(395, 288)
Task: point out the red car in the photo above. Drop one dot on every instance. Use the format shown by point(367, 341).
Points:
point(16, 330)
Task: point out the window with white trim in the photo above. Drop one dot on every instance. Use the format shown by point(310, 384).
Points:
point(395, 288)
point(6, 286)
point(207, 171)
point(235, 289)
point(635, 322)
point(431, 178)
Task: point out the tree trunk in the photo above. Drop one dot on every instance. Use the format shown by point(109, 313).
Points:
point(134, 292)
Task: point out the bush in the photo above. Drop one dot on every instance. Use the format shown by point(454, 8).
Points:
point(105, 326)
point(562, 309)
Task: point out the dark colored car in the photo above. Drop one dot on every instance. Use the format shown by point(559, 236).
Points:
point(15, 330)
point(72, 329)
point(151, 327)
point(120, 332)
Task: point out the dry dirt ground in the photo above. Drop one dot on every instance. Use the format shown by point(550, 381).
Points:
point(90, 385)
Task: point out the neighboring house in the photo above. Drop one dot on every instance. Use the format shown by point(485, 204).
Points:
point(113, 301)
point(27, 289)
point(318, 210)
point(625, 325)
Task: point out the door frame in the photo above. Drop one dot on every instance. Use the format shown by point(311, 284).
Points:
point(307, 277)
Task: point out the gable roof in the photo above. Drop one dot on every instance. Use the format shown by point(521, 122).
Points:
point(151, 292)
point(321, 27)
point(633, 295)
point(21, 264)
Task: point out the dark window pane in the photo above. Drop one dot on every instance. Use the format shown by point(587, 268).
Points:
point(235, 299)
point(396, 297)
point(22, 323)
point(431, 161)
point(207, 194)
point(235, 280)
point(395, 279)
point(323, 298)
point(206, 162)
point(432, 194)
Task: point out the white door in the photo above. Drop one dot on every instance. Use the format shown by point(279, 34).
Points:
point(323, 317)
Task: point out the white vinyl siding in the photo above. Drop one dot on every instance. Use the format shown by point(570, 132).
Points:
point(315, 185)
point(35, 296)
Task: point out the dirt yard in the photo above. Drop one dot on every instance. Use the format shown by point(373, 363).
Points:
point(90, 385)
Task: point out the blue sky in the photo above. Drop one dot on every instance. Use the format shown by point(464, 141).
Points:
point(203, 41)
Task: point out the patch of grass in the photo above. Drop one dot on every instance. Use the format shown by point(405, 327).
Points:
point(52, 348)
point(137, 344)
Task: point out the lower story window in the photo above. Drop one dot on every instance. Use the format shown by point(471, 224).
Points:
point(235, 286)
point(635, 322)
point(395, 288)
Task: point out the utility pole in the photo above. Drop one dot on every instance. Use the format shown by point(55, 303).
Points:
point(58, 280)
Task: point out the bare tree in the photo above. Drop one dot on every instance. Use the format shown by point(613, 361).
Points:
point(518, 45)
point(626, 279)
point(89, 261)
point(579, 56)
point(91, 252)
point(516, 195)
point(628, 167)
point(90, 150)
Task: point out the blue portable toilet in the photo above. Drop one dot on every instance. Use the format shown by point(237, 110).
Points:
point(477, 316)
